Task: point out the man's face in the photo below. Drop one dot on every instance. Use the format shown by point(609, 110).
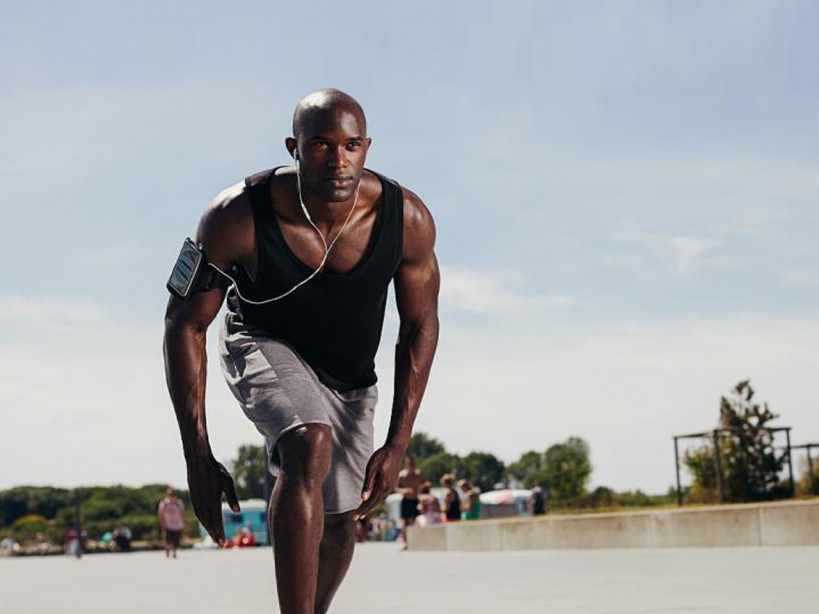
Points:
point(332, 148)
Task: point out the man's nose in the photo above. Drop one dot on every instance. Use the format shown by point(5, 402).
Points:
point(338, 157)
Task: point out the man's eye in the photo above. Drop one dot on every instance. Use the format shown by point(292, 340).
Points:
point(353, 144)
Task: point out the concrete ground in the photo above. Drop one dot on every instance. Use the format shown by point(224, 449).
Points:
point(383, 579)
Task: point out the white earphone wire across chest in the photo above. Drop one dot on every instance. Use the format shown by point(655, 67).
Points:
point(327, 248)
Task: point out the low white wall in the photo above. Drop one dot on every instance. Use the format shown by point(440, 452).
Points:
point(794, 523)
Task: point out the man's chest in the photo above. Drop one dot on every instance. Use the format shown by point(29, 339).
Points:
point(349, 246)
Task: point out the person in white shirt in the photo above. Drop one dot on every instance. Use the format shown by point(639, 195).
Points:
point(171, 516)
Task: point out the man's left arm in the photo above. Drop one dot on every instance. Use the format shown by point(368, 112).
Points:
point(416, 282)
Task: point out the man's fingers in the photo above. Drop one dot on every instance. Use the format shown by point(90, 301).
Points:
point(206, 518)
point(216, 520)
point(210, 515)
point(369, 506)
point(369, 483)
point(377, 495)
point(230, 493)
point(366, 502)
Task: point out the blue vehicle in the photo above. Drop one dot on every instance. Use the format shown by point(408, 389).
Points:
point(252, 517)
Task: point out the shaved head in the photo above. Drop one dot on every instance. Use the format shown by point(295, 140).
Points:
point(322, 102)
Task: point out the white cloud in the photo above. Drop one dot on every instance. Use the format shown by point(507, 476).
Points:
point(493, 292)
point(683, 253)
point(802, 278)
point(51, 315)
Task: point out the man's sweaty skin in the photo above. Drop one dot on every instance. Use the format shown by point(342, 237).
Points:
point(312, 552)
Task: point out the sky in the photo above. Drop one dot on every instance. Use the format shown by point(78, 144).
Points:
point(625, 197)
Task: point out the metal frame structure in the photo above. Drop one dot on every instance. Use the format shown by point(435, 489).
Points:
point(715, 434)
point(807, 447)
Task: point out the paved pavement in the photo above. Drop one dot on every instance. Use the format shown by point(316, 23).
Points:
point(383, 579)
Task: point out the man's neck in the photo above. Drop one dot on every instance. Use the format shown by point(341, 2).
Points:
point(326, 213)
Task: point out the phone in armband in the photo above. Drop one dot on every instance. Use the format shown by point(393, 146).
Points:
point(186, 270)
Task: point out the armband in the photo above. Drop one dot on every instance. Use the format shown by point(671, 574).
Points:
point(192, 274)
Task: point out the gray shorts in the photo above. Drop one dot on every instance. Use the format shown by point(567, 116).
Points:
point(280, 392)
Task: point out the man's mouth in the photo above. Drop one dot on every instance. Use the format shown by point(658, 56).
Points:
point(339, 182)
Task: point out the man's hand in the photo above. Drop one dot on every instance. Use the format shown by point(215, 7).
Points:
point(380, 479)
point(207, 480)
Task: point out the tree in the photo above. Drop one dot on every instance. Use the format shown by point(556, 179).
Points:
point(526, 468)
point(29, 526)
point(438, 464)
point(485, 470)
point(567, 468)
point(248, 472)
point(423, 446)
point(22, 500)
point(602, 496)
point(700, 462)
point(750, 463)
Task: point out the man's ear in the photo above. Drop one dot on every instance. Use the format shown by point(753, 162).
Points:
point(292, 147)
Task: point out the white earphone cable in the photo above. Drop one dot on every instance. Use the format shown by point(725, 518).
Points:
point(327, 248)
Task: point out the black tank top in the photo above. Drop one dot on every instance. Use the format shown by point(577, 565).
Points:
point(453, 509)
point(334, 320)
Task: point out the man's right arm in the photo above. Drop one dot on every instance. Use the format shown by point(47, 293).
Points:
point(224, 237)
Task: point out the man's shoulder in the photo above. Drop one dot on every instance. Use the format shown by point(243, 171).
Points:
point(232, 200)
point(416, 211)
point(419, 228)
point(226, 226)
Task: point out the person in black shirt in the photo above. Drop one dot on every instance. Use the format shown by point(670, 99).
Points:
point(452, 500)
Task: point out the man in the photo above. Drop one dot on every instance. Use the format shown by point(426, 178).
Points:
point(171, 516)
point(324, 239)
point(410, 481)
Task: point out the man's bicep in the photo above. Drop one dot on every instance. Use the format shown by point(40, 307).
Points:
point(197, 311)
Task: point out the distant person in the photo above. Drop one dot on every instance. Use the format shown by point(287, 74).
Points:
point(122, 537)
point(470, 501)
point(537, 500)
point(430, 507)
point(73, 546)
point(410, 481)
point(171, 516)
point(243, 538)
point(9, 545)
point(452, 500)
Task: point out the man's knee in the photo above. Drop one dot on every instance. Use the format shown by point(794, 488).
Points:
point(305, 452)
